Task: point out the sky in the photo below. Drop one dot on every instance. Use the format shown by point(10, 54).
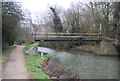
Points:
point(38, 6)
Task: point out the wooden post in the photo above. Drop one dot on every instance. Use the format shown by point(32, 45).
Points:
point(41, 54)
point(34, 35)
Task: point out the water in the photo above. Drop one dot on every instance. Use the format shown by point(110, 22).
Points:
point(85, 65)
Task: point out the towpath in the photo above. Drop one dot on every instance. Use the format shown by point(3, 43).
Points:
point(15, 67)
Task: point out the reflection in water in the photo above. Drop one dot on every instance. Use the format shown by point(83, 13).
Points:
point(85, 65)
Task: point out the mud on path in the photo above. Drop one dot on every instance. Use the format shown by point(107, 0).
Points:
point(15, 67)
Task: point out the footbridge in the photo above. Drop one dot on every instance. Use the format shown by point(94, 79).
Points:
point(93, 37)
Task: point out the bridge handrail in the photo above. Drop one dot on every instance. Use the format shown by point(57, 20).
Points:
point(107, 38)
point(60, 36)
point(68, 34)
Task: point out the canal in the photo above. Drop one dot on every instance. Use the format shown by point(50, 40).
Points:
point(85, 65)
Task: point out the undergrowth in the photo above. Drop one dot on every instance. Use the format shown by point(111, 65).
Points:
point(5, 53)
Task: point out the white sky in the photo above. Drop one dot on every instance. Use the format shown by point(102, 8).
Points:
point(38, 5)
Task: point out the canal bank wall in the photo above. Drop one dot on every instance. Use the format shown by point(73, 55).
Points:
point(103, 48)
point(33, 50)
point(99, 48)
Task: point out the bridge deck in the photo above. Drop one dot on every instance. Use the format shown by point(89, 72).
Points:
point(93, 37)
point(37, 40)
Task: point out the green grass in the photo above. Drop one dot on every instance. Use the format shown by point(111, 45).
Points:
point(33, 62)
point(0, 58)
point(28, 46)
point(5, 52)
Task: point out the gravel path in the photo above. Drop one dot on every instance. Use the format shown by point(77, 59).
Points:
point(15, 67)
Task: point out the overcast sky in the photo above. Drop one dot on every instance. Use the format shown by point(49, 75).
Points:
point(38, 5)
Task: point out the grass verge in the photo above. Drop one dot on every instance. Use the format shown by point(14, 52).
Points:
point(33, 62)
point(5, 53)
point(28, 46)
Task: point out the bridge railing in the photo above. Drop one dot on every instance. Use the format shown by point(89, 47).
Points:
point(86, 36)
point(64, 34)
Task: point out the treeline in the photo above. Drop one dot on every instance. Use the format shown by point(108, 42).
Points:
point(90, 17)
point(94, 17)
point(13, 30)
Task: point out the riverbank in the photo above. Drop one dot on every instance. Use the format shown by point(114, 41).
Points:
point(102, 49)
point(85, 65)
point(32, 63)
point(56, 71)
point(41, 68)
point(85, 48)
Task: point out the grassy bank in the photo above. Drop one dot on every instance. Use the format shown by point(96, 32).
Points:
point(5, 53)
point(28, 46)
point(33, 62)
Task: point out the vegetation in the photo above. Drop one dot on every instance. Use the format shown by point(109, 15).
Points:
point(59, 45)
point(5, 53)
point(33, 63)
point(11, 16)
point(28, 46)
point(89, 17)
point(57, 22)
point(0, 59)
point(13, 30)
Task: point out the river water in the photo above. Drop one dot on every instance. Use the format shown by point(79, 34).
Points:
point(85, 65)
